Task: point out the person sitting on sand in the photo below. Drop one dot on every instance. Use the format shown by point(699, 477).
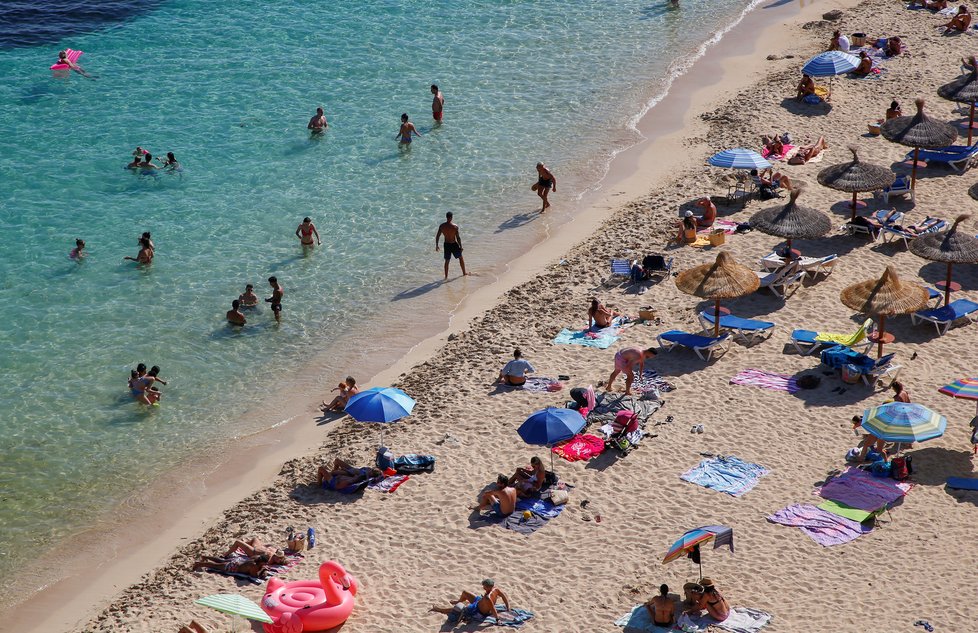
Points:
point(714, 603)
point(256, 566)
point(661, 608)
point(770, 179)
point(687, 229)
point(600, 316)
point(806, 87)
point(248, 299)
point(501, 500)
point(709, 211)
point(234, 315)
point(808, 152)
point(773, 144)
point(894, 46)
point(528, 480)
point(893, 111)
point(960, 22)
point(194, 627)
point(468, 604)
point(868, 441)
point(865, 66)
point(839, 42)
point(692, 596)
point(348, 388)
point(514, 372)
point(344, 477)
point(627, 360)
point(900, 393)
point(254, 547)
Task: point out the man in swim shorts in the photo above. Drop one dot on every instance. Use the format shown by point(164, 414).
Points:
point(234, 315)
point(627, 360)
point(453, 243)
point(437, 104)
point(468, 603)
point(546, 181)
point(318, 124)
point(276, 299)
point(305, 231)
point(502, 500)
point(407, 129)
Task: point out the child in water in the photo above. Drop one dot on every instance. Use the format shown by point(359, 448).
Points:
point(77, 253)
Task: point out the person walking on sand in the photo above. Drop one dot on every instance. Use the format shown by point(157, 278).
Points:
point(406, 131)
point(453, 242)
point(317, 124)
point(276, 299)
point(305, 231)
point(437, 104)
point(546, 181)
point(626, 361)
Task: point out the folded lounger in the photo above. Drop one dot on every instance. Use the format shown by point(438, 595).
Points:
point(699, 344)
point(943, 317)
point(806, 341)
point(747, 329)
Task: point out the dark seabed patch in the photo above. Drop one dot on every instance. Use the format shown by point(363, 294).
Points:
point(35, 23)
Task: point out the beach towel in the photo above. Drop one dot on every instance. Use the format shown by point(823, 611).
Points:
point(511, 617)
point(608, 405)
point(388, 484)
point(536, 384)
point(823, 527)
point(766, 380)
point(701, 241)
point(727, 474)
point(638, 620)
point(291, 560)
point(649, 381)
point(580, 448)
point(858, 489)
point(543, 508)
point(728, 228)
point(766, 153)
point(847, 512)
point(601, 338)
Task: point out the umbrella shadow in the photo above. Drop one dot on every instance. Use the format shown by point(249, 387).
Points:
point(934, 464)
point(806, 109)
point(933, 272)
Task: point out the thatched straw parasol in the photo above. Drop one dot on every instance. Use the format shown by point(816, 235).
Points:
point(723, 279)
point(973, 191)
point(918, 131)
point(792, 220)
point(964, 89)
point(950, 247)
point(856, 177)
point(883, 297)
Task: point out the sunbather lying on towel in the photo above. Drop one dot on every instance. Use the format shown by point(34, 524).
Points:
point(808, 152)
point(256, 567)
point(529, 479)
point(255, 547)
point(344, 477)
point(502, 500)
point(468, 604)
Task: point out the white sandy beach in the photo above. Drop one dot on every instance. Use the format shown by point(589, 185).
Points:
point(420, 545)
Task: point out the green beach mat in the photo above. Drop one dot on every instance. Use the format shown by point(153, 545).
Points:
point(847, 511)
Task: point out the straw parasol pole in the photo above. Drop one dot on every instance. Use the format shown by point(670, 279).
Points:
point(792, 220)
point(918, 131)
point(856, 177)
point(964, 89)
point(722, 279)
point(883, 297)
point(951, 247)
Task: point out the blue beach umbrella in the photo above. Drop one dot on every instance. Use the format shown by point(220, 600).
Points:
point(830, 64)
point(380, 404)
point(904, 422)
point(550, 426)
point(739, 158)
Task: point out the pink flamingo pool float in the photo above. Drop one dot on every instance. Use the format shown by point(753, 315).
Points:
point(310, 605)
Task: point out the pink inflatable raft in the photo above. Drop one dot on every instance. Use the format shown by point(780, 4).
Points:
point(72, 56)
point(310, 605)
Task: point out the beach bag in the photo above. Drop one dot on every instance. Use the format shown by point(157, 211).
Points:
point(900, 468)
point(579, 396)
point(767, 193)
point(717, 237)
point(559, 497)
point(550, 479)
point(296, 540)
point(880, 469)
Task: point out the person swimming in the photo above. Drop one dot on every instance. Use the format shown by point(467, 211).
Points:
point(77, 253)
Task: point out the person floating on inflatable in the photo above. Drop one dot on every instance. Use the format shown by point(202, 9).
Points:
point(67, 61)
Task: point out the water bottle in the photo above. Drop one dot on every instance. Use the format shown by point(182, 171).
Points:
point(310, 537)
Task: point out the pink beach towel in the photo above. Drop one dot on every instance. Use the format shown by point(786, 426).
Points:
point(580, 447)
point(389, 484)
point(766, 153)
point(766, 380)
point(823, 527)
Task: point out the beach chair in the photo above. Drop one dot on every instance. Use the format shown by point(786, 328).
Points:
point(929, 225)
point(806, 342)
point(780, 282)
point(656, 266)
point(882, 367)
point(699, 344)
point(812, 266)
point(900, 187)
point(620, 268)
point(944, 317)
point(873, 225)
point(935, 296)
point(747, 329)
point(958, 157)
point(741, 191)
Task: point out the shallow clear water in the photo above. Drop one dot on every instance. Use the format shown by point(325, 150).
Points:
point(229, 87)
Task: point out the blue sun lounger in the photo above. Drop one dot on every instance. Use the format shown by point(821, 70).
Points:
point(962, 483)
point(699, 344)
point(957, 156)
point(747, 329)
point(943, 317)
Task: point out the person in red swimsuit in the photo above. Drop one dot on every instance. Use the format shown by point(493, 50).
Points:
point(437, 104)
point(305, 231)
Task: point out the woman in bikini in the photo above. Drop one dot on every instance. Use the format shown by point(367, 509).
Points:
point(256, 567)
point(407, 130)
point(529, 479)
point(348, 388)
point(305, 231)
point(145, 254)
point(343, 476)
point(600, 316)
point(714, 603)
point(254, 547)
point(808, 152)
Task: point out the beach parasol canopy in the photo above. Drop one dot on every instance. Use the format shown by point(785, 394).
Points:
point(233, 604)
point(903, 422)
point(918, 131)
point(689, 543)
point(951, 247)
point(792, 220)
point(883, 297)
point(964, 89)
point(723, 279)
point(380, 404)
point(965, 389)
point(550, 426)
point(830, 64)
point(739, 158)
point(856, 177)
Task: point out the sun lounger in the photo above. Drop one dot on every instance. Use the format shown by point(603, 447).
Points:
point(781, 281)
point(935, 296)
point(813, 266)
point(900, 187)
point(805, 341)
point(873, 225)
point(746, 329)
point(943, 317)
point(929, 225)
point(957, 156)
point(656, 266)
point(962, 483)
point(620, 268)
point(699, 344)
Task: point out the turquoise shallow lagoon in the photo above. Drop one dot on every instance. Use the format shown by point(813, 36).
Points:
point(229, 87)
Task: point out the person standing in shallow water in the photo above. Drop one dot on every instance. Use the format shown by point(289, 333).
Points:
point(317, 124)
point(437, 104)
point(546, 181)
point(407, 129)
point(453, 243)
point(305, 231)
point(276, 299)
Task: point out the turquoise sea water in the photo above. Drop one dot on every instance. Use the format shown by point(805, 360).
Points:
point(229, 87)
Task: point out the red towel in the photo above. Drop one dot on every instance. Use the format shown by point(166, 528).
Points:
point(580, 447)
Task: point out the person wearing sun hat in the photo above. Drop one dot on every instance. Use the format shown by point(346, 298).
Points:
point(714, 603)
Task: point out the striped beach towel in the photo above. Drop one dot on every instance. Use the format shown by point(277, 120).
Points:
point(766, 380)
